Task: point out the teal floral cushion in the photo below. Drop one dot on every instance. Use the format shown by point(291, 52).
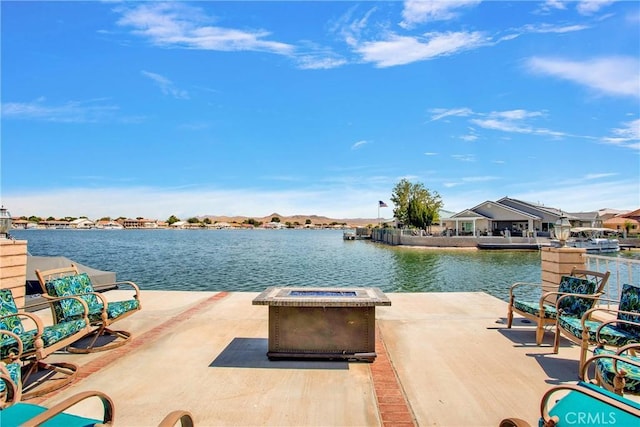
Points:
point(533, 307)
point(605, 368)
point(74, 285)
point(8, 307)
point(610, 334)
point(15, 373)
point(573, 305)
point(630, 301)
point(80, 285)
point(50, 335)
point(9, 345)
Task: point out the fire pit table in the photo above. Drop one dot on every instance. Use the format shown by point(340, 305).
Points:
point(322, 323)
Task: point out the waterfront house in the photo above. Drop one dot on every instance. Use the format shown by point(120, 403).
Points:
point(82, 224)
point(513, 217)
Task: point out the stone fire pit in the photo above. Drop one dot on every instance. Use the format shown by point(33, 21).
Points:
point(322, 323)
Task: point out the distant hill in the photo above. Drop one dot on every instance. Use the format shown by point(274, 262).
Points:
point(300, 219)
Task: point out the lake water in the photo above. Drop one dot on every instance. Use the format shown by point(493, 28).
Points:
point(251, 260)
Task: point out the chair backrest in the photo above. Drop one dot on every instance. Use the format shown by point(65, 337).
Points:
point(8, 307)
point(574, 305)
point(599, 278)
point(65, 282)
point(630, 301)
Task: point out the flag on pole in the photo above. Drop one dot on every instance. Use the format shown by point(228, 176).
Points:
point(382, 204)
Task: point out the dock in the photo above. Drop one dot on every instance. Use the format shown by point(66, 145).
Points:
point(443, 359)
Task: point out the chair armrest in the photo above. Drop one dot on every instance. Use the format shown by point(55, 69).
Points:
point(85, 307)
point(633, 346)
point(50, 413)
point(521, 284)
point(584, 374)
point(618, 404)
point(135, 287)
point(608, 322)
point(35, 319)
point(18, 341)
point(13, 392)
point(184, 417)
point(514, 422)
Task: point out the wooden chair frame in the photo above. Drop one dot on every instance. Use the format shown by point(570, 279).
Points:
point(550, 298)
point(595, 394)
point(34, 360)
point(618, 384)
point(584, 341)
point(101, 325)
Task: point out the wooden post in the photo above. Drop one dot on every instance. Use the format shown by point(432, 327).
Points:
point(557, 262)
point(13, 269)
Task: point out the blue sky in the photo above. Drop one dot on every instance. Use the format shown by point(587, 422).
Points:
point(314, 107)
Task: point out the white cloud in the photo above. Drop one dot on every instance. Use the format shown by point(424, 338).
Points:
point(313, 62)
point(166, 86)
point(421, 11)
point(359, 144)
point(464, 157)
point(401, 50)
point(589, 7)
point(181, 26)
point(441, 113)
point(547, 28)
point(68, 112)
point(616, 76)
point(628, 135)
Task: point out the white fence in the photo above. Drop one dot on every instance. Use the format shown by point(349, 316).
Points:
point(623, 270)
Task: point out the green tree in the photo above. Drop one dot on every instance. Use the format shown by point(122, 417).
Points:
point(207, 220)
point(275, 219)
point(415, 205)
point(172, 219)
point(307, 221)
point(193, 220)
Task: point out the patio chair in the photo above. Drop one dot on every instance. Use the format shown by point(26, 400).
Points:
point(586, 330)
point(617, 371)
point(582, 404)
point(13, 412)
point(542, 311)
point(68, 281)
point(31, 347)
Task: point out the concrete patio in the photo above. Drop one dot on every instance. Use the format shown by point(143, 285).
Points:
point(444, 359)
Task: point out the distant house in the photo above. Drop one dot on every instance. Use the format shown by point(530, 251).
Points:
point(274, 225)
point(82, 224)
point(109, 225)
point(512, 216)
point(626, 222)
point(138, 223)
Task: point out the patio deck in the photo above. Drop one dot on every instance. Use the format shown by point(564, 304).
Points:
point(444, 359)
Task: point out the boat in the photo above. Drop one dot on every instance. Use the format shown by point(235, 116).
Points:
point(594, 240)
point(349, 235)
point(101, 280)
